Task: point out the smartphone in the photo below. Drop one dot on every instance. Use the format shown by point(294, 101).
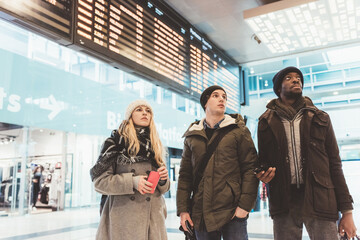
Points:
point(190, 229)
point(261, 168)
point(190, 233)
point(154, 179)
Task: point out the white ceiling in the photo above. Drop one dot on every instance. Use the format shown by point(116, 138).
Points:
point(223, 23)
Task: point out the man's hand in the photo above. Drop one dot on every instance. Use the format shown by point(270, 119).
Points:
point(240, 213)
point(183, 217)
point(267, 176)
point(347, 225)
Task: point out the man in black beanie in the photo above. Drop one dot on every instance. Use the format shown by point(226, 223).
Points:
point(207, 93)
point(298, 142)
point(279, 77)
point(222, 192)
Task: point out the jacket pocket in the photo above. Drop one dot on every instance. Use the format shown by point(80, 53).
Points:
point(318, 129)
point(235, 190)
point(324, 198)
point(225, 195)
point(318, 135)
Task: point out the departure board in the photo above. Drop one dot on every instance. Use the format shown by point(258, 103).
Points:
point(146, 38)
point(138, 31)
point(51, 17)
point(150, 39)
point(208, 67)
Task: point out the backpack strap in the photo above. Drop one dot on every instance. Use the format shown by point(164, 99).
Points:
point(210, 149)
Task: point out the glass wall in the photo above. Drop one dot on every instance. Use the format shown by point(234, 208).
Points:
point(56, 108)
point(332, 81)
point(322, 74)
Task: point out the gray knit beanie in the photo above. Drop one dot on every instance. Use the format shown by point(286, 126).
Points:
point(131, 107)
point(279, 77)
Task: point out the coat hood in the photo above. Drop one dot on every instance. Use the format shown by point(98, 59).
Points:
point(228, 120)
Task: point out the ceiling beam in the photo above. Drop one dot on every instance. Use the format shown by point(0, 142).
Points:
point(264, 2)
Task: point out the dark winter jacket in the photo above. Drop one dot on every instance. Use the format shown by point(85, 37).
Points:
point(326, 191)
point(228, 181)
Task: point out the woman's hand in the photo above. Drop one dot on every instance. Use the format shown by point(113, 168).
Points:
point(163, 173)
point(143, 185)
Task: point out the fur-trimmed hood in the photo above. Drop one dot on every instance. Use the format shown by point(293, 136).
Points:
point(229, 119)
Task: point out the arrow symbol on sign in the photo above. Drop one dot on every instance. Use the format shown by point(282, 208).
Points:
point(51, 104)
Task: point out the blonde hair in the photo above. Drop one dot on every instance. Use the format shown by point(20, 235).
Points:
point(127, 130)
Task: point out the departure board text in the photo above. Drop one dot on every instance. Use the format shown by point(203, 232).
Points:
point(52, 16)
point(146, 37)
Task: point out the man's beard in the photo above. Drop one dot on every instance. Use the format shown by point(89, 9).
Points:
point(292, 95)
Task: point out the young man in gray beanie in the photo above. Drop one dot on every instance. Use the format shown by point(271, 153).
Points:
point(222, 198)
point(307, 185)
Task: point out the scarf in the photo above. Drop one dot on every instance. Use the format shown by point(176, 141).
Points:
point(114, 151)
point(287, 111)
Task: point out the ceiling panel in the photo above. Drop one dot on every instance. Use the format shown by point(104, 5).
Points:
point(223, 22)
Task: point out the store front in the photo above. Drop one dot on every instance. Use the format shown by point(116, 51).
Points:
point(40, 187)
point(56, 121)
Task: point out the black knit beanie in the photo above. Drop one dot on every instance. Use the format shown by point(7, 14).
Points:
point(206, 94)
point(279, 77)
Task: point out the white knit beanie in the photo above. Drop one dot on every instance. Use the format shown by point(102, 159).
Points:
point(131, 107)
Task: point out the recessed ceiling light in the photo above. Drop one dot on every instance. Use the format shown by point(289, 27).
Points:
point(315, 23)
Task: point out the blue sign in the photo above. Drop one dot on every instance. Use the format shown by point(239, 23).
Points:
point(38, 95)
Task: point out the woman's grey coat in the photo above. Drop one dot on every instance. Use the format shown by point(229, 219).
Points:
point(127, 214)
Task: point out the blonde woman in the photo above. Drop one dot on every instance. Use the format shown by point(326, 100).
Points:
point(131, 211)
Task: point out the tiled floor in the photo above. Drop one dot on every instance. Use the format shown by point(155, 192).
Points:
point(81, 224)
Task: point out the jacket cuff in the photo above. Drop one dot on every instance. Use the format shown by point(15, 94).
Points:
point(163, 188)
point(247, 207)
point(162, 182)
point(135, 180)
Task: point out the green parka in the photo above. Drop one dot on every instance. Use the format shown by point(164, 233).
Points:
point(228, 181)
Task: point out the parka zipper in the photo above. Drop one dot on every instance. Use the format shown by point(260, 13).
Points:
point(293, 143)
